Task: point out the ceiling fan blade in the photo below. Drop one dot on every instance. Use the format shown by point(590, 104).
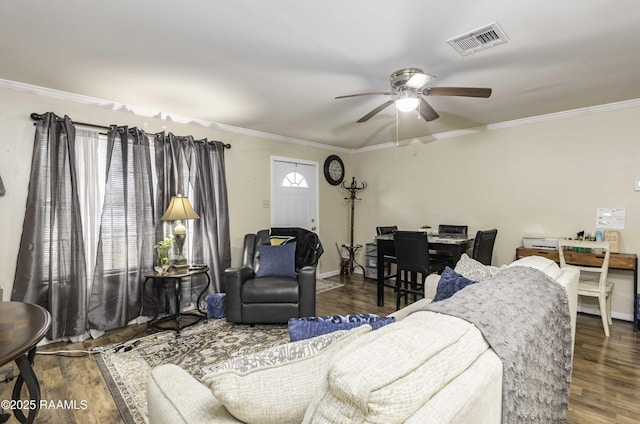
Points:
point(426, 111)
point(419, 80)
point(458, 91)
point(375, 111)
point(385, 93)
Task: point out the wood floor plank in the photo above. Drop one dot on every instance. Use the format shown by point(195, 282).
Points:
point(605, 386)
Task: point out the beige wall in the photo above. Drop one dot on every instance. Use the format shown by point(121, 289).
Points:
point(546, 177)
point(248, 173)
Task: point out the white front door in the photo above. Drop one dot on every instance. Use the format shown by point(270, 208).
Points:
point(294, 188)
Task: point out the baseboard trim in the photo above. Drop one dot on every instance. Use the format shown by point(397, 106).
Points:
point(333, 273)
point(329, 274)
point(591, 310)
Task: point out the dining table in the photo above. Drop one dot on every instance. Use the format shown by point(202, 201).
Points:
point(451, 244)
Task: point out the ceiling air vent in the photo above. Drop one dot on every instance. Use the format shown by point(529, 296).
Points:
point(479, 39)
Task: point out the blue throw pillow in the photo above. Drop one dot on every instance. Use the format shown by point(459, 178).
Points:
point(308, 327)
point(450, 282)
point(277, 261)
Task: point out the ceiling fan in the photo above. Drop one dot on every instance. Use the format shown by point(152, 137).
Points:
point(408, 89)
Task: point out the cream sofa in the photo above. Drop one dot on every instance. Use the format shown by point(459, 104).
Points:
point(426, 367)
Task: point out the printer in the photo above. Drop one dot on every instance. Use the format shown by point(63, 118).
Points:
point(540, 242)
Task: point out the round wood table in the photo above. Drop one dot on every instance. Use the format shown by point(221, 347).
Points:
point(22, 326)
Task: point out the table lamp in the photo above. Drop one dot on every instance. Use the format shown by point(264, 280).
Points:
point(179, 209)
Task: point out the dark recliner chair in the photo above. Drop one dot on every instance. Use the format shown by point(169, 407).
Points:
point(273, 300)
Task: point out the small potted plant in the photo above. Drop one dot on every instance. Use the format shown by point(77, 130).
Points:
point(162, 247)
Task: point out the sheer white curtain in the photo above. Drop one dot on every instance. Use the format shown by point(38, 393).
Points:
point(127, 226)
point(91, 164)
point(91, 158)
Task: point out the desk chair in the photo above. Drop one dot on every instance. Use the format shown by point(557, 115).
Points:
point(592, 287)
point(413, 264)
point(483, 246)
point(452, 229)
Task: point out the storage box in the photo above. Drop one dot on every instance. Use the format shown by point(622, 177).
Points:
point(540, 242)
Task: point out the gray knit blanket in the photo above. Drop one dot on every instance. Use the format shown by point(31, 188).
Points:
point(524, 316)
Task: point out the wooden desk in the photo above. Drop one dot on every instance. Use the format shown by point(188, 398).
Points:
point(177, 276)
point(22, 326)
point(387, 247)
point(622, 261)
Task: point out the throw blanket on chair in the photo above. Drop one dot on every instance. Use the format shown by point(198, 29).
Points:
point(524, 316)
point(308, 248)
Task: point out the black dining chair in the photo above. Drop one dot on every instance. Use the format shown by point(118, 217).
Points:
point(386, 230)
point(452, 229)
point(413, 264)
point(483, 246)
point(388, 260)
point(443, 257)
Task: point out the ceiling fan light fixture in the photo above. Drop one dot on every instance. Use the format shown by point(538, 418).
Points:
point(407, 103)
point(408, 91)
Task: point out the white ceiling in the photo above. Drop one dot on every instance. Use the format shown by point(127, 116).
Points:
point(276, 66)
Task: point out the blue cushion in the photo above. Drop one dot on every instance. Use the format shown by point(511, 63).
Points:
point(277, 261)
point(450, 282)
point(308, 327)
point(215, 305)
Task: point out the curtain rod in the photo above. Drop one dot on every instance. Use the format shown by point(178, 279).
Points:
point(39, 117)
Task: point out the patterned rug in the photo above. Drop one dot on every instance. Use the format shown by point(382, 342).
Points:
point(195, 350)
point(326, 285)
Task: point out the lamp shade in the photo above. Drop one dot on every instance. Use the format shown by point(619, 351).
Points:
point(179, 209)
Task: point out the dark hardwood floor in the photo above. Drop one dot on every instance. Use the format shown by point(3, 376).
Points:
point(605, 387)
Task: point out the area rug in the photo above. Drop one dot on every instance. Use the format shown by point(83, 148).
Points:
point(196, 350)
point(323, 285)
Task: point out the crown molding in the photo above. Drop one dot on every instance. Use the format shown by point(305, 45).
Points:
point(94, 101)
point(121, 107)
point(626, 104)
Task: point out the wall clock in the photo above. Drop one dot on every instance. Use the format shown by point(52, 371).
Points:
point(334, 170)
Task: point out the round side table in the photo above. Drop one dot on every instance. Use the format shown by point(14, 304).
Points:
point(22, 326)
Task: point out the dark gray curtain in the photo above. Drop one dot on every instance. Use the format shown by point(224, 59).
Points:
point(193, 166)
point(211, 238)
point(51, 269)
point(51, 266)
point(127, 236)
point(173, 155)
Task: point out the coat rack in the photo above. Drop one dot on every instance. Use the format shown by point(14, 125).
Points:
point(351, 248)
